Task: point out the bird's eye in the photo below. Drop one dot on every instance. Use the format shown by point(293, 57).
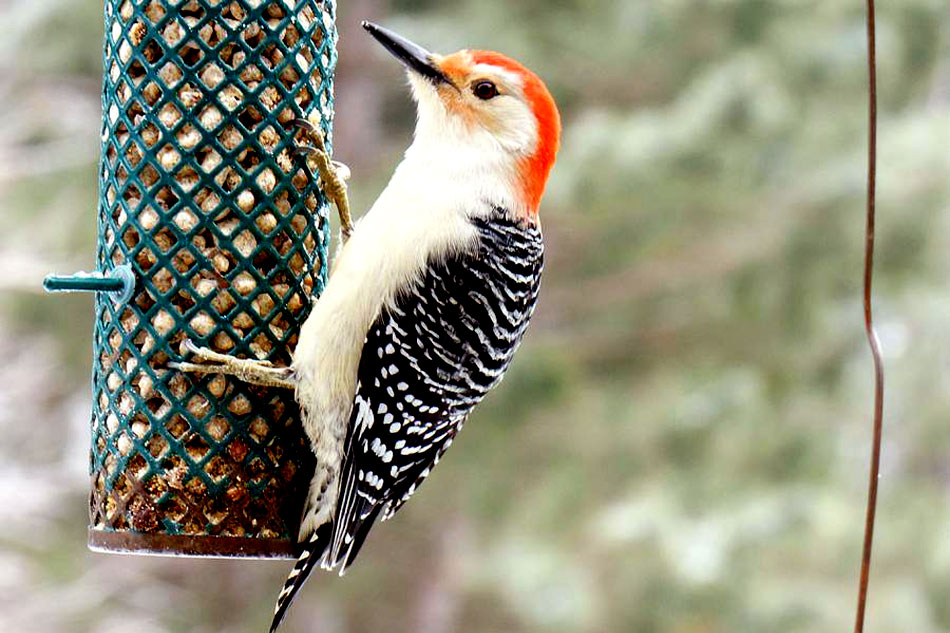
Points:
point(485, 90)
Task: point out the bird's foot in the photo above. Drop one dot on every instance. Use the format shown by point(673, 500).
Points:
point(255, 372)
point(333, 175)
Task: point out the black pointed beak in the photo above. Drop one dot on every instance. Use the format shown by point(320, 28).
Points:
point(412, 55)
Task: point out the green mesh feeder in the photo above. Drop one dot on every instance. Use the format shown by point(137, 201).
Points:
point(209, 229)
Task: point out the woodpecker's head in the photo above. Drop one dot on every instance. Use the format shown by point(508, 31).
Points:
point(486, 102)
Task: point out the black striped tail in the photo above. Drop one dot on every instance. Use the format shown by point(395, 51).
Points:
point(310, 553)
point(356, 538)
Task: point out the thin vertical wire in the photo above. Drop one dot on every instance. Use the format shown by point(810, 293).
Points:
point(869, 329)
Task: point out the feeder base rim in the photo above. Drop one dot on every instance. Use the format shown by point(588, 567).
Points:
point(182, 546)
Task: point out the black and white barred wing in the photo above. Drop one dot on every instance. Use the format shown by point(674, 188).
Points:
point(426, 363)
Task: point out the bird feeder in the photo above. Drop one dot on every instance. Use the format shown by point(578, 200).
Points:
point(209, 229)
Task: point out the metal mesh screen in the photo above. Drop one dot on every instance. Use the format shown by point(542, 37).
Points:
point(227, 234)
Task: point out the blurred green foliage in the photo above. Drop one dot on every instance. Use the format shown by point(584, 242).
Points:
point(681, 445)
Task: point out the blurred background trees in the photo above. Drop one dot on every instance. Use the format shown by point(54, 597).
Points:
point(681, 445)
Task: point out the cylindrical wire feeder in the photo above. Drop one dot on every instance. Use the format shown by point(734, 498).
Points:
point(226, 236)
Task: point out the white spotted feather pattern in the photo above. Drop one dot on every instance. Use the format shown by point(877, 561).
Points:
point(427, 361)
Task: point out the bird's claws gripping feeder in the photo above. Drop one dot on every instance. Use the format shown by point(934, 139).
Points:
point(210, 229)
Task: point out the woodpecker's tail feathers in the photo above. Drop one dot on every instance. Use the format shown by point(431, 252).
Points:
point(310, 553)
point(354, 541)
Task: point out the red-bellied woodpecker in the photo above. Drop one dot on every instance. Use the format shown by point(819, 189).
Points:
point(428, 299)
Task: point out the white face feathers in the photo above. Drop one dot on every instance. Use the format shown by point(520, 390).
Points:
point(460, 111)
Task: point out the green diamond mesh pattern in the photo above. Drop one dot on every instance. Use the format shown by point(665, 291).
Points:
point(227, 234)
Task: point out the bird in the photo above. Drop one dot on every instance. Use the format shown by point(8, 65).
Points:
point(427, 301)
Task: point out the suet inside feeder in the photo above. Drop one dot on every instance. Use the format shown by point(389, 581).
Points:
point(225, 233)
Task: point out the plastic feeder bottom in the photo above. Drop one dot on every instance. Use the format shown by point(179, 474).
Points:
point(192, 546)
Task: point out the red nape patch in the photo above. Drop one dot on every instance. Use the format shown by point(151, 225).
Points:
point(536, 168)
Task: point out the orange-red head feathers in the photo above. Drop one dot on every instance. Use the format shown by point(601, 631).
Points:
point(487, 104)
point(536, 167)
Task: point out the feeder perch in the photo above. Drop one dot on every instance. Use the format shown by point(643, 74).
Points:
point(209, 229)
